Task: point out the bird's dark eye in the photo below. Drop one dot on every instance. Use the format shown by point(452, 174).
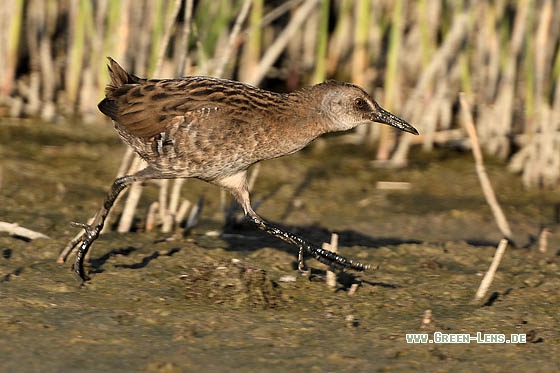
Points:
point(360, 103)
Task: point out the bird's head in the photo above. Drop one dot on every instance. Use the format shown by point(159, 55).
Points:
point(347, 106)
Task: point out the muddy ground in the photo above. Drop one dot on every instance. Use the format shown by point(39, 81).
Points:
point(236, 303)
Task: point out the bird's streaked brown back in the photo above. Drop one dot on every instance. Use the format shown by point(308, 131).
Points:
point(145, 107)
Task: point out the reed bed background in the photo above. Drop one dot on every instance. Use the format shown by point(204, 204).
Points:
point(415, 57)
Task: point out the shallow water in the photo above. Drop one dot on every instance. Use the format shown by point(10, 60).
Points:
point(219, 303)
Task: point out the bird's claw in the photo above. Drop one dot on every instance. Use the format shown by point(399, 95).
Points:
point(83, 242)
point(79, 225)
point(91, 232)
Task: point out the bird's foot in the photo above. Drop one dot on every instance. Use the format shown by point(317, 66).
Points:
point(334, 260)
point(91, 232)
point(83, 242)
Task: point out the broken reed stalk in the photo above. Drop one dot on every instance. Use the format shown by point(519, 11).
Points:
point(163, 206)
point(172, 210)
point(427, 319)
point(134, 193)
point(481, 171)
point(490, 198)
point(333, 246)
point(489, 276)
point(543, 239)
point(14, 229)
point(151, 216)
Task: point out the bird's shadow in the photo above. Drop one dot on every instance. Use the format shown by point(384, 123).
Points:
point(98, 263)
point(246, 237)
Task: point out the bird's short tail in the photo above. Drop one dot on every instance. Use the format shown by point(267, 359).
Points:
point(119, 76)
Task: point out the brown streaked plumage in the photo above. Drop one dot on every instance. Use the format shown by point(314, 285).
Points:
point(215, 129)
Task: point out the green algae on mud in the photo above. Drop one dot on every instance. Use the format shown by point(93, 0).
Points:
point(235, 302)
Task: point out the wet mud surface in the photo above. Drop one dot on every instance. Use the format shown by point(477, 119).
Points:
point(235, 302)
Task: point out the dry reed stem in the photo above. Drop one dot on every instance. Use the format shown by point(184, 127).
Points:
point(241, 17)
point(134, 193)
point(481, 171)
point(353, 289)
point(274, 51)
point(392, 185)
point(539, 158)
point(360, 60)
point(182, 211)
point(151, 216)
point(338, 45)
point(175, 195)
point(496, 122)
point(194, 215)
point(392, 79)
point(126, 162)
point(543, 239)
point(166, 37)
point(10, 25)
point(127, 217)
point(543, 55)
point(163, 210)
point(129, 165)
point(489, 276)
point(279, 11)
point(427, 319)
point(183, 49)
point(333, 246)
point(252, 41)
point(170, 217)
point(415, 104)
point(15, 230)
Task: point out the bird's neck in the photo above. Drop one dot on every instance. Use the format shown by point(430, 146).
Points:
point(288, 126)
point(304, 113)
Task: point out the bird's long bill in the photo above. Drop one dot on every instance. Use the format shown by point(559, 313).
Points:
point(383, 116)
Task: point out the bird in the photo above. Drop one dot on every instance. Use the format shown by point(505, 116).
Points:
point(214, 129)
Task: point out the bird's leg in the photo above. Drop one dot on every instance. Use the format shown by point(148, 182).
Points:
point(92, 230)
point(237, 185)
point(324, 256)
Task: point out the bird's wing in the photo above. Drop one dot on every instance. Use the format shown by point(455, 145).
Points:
point(148, 108)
